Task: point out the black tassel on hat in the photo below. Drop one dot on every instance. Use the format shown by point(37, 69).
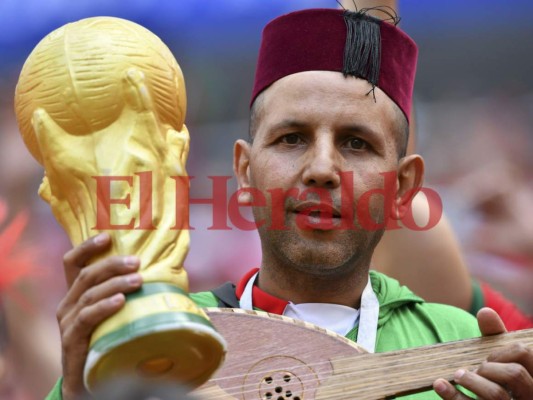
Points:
point(362, 51)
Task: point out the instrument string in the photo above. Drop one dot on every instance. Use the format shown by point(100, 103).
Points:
point(318, 364)
point(348, 372)
point(389, 365)
point(369, 383)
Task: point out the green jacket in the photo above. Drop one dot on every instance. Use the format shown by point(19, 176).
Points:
point(405, 321)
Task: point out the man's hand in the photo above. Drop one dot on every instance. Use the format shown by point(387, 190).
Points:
point(507, 374)
point(96, 291)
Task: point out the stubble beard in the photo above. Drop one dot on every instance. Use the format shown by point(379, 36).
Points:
point(319, 260)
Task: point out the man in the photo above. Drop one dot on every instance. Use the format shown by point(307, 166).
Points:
point(328, 129)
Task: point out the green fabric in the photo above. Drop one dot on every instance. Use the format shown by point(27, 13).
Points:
point(55, 394)
point(478, 300)
point(150, 288)
point(405, 321)
point(204, 299)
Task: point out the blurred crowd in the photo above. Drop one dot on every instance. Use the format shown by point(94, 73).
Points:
point(476, 141)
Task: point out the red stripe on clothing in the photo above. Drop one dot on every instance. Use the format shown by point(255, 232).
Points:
point(511, 316)
point(260, 299)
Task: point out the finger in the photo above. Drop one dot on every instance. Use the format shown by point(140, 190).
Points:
point(107, 289)
point(75, 342)
point(481, 386)
point(447, 391)
point(137, 94)
point(51, 137)
point(77, 335)
point(512, 376)
point(77, 258)
point(146, 139)
point(42, 124)
point(515, 353)
point(97, 273)
point(490, 322)
point(94, 306)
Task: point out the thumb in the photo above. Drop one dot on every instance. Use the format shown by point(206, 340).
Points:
point(52, 139)
point(489, 322)
point(41, 122)
point(136, 93)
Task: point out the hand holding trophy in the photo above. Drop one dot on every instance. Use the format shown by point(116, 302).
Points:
point(101, 105)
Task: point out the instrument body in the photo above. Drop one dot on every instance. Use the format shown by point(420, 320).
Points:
point(275, 357)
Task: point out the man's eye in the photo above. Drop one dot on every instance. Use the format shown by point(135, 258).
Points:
point(291, 138)
point(356, 144)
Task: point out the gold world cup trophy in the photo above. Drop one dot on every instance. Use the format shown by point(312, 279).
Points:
point(101, 105)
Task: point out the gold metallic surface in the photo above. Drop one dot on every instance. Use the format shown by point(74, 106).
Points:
point(104, 97)
point(145, 307)
point(182, 352)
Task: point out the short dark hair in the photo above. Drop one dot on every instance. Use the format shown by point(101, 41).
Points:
point(401, 136)
point(402, 131)
point(255, 110)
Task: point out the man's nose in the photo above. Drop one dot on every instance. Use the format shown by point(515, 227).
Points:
point(322, 166)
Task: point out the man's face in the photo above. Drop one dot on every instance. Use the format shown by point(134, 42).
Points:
point(311, 127)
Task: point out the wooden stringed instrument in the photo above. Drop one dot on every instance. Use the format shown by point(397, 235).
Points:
point(271, 357)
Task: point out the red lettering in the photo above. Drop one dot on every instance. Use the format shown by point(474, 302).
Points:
point(278, 197)
point(324, 205)
point(145, 201)
point(364, 214)
point(104, 202)
point(321, 197)
point(435, 212)
point(219, 203)
point(235, 216)
point(182, 203)
point(347, 200)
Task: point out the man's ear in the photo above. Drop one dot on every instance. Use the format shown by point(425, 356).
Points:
point(241, 169)
point(410, 180)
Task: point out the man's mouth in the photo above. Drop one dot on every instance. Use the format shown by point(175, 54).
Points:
point(312, 215)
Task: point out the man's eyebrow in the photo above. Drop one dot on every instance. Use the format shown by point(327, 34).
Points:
point(344, 129)
point(359, 129)
point(288, 123)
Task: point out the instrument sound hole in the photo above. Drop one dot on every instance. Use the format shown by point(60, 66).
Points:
point(279, 389)
point(283, 382)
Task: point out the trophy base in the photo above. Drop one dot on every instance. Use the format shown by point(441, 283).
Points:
point(166, 337)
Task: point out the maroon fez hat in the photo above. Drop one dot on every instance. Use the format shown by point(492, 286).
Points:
point(353, 43)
